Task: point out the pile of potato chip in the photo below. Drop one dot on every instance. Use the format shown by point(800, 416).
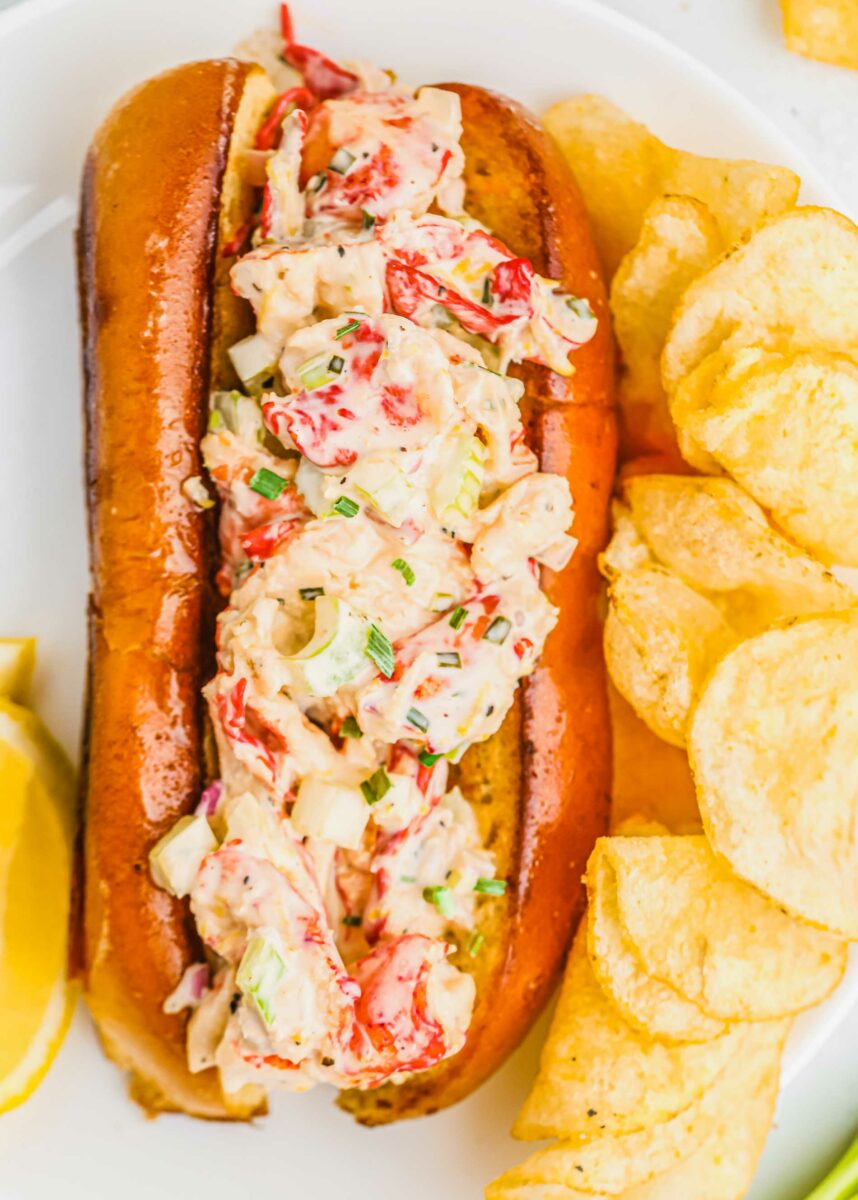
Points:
point(823, 29)
point(724, 903)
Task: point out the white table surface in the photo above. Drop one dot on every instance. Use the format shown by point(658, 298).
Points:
point(817, 106)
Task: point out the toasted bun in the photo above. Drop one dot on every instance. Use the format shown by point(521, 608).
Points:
point(161, 189)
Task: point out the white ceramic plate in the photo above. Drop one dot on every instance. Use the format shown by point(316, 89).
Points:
point(63, 62)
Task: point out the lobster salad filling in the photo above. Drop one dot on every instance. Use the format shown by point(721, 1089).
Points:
point(382, 525)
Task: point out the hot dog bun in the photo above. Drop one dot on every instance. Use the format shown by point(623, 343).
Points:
point(160, 191)
point(158, 316)
point(540, 785)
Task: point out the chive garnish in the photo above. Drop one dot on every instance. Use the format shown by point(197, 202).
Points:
point(458, 617)
point(475, 943)
point(488, 299)
point(346, 507)
point(311, 593)
point(442, 898)
point(449, 658)
point(354, 921)
point(376, 786)
point(367, 219)
point(350, 728)
point(267, 483)
point(416, 718)
point(350, 328)
point(400, 565)
point(498, 630)
point(428, 759)
point(490, 887)
point(336, 364)
point(380, 650)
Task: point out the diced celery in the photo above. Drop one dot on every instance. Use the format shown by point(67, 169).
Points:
point(259, 974)
point(334, 812)
point(315, 372)
point(336, 654)
point(255, 361)
point(457, 490)
point(175, 859)
point(381, 481)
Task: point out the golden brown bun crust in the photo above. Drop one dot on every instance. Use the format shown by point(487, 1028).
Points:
point(541, 784)
point(147, 241)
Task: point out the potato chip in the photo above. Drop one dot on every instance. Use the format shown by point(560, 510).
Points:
point(713, 1144)
point(711, 937)
point(648, 1004)
point(651, 780)
point(772, 746)
point(718, 540)
point(661, 640)
point(823, 29)
point(795, 277)
point(621, 168)
point(599, 1075)
point(785, 426)
point(679, 240)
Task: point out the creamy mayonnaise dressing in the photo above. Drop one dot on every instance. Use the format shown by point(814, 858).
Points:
point(382, 524)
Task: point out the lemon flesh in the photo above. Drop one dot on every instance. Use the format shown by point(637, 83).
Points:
point(37, 812)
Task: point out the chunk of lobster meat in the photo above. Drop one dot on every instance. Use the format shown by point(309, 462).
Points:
point(530, 519)
point(413, 1010)
point(289, 285)
point(455, 680)
point(437, 264)
point(383, 384)
point(370, 154)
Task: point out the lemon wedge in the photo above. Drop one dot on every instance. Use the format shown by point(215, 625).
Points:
point(37, 817)
point(17, 659)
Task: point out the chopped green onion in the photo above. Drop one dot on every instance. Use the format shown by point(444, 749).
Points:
point(442, 898)
point(488, 298)
point(441, 601)
point(428, 759)
point(311, 593)
point(346, 507)
point(350, 328)
point(353, 921)
point(350, 728)
point(314, 373)
point(475, 943)
point(341, 161)
point(407, 878)
point(400, 565)
point(317, 182)
point(267, 483)
point(490, 887)
point(216, 421)
point(380, 650)
point(367, 219)
point(336, 364)
point(580, 307)
point(449, 658)
point(458, 618)
point(416, 718)
point(376, 786)
point(498, 630)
